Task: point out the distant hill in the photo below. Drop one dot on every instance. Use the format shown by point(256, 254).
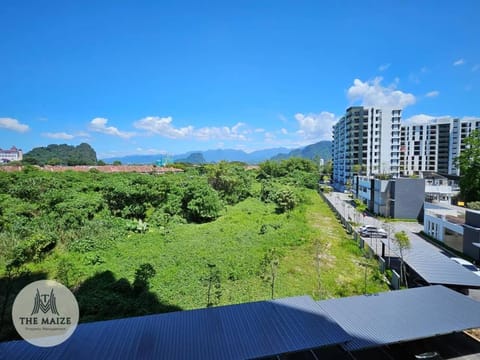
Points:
point(320, 150)
point(194, 158)
point(209, 156)
point(63, 154)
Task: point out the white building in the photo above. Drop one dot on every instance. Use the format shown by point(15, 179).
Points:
point(13, 154)
point(439, 189)
point(445, 223)
point(366, 141)
point(434, 145)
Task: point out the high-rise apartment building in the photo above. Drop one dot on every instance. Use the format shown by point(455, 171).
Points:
point(434, 145)
point(366, 140)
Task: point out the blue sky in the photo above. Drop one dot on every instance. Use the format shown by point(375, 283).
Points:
point(138, 77)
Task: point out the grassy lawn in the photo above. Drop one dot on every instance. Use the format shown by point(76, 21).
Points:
point(236, 244)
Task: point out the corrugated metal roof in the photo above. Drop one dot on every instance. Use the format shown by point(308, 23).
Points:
point(243, 331)
point(431, 264)
point(404, 315)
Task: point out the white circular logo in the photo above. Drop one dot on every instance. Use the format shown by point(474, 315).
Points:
point(45, 313)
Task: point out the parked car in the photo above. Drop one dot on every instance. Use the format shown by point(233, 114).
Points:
point(467, 265)
point(367, 227)
point(374, 233)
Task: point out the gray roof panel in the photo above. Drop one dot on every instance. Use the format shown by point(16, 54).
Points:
point(403, 315)
point(250, 330)
point(431, 264)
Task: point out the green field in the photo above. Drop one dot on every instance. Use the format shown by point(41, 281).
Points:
point(233, 243)
point(314, 257)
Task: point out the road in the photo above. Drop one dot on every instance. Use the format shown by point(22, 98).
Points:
point(342, 203)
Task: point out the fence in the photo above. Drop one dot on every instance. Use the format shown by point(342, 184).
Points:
point(368, 248)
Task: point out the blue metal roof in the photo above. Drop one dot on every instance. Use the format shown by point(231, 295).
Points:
point(250, 330)
point(403, 315)
point(434, 266)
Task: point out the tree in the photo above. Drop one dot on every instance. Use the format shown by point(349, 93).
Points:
point(389, 228)
point(402, 241)
point(469, 164)
point(327, 168)
point(214, 283)
point(360, 208)
point(285, 200)
point(143, 274)
point(200, 203)
point(269, 267)
point(357, 168)
point(117, 163)
point(230, 180)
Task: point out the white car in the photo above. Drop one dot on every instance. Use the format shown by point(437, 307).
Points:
point(467, 265)
point(367, 227)
point(373, 232)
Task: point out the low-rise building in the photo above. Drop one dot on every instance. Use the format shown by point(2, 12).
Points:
point(400, 198)
point(13, 154)
point(456, 227)
point(444, 222)
point(439, 188)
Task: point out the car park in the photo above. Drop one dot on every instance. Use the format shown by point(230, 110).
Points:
point(467, 265)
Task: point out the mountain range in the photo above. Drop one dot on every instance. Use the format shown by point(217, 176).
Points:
point(318, 150)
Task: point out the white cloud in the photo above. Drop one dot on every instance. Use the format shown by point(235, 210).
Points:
point(269, 137)
point(221, 133)
point(99, 125)
point(151, 151)
point(372, 93)
point(284, 131)
point(259, 130)
point(163, 126)
point(432, 94)
point(14, 125)
point(82, 134)
point(383, 67)
point(476, 67)
point(419, 119)
point(58, 135)
point(458, 62)
point(316, 126)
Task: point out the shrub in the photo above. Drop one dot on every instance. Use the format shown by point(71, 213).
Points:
point(474, 205)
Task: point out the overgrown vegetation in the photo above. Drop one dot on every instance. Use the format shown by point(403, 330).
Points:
point(133, 244)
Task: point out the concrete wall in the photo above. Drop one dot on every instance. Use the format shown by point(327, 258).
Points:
point(471, 234)
point(409, 196)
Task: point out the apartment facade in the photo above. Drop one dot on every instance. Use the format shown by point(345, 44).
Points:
point(13, 154)
point(434, 145)
point(366, 141)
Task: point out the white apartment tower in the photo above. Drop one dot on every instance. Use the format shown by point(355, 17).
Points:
point(366, 141)
point(434, 145)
